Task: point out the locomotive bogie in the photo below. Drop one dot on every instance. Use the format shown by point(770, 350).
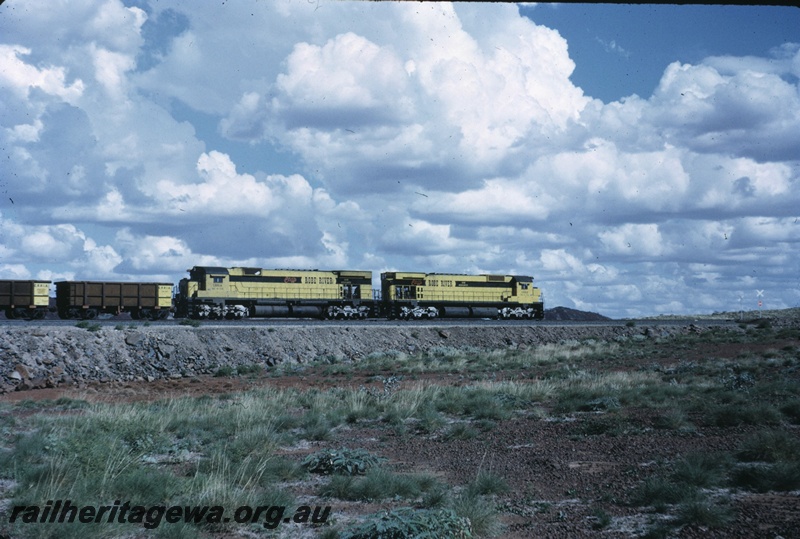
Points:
point(518, 313)
point(347, 312)
point(416, 312)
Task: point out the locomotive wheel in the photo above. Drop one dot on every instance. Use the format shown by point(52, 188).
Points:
point(135, 314)
point(89, 314)
point(10, 314)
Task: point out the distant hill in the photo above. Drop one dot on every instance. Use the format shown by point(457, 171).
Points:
point(565, 313)
point(790, 314)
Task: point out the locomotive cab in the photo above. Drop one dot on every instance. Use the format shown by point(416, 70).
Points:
point(527, 294)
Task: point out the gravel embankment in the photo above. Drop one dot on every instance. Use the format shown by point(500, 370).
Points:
point(46, 356)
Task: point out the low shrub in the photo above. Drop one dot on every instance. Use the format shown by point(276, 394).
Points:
point(83, 324)
point(254, 369)
point(341, 461)
point(224, 370)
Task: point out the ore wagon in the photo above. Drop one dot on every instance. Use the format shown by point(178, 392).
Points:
point(24, 299)
point(88, 299)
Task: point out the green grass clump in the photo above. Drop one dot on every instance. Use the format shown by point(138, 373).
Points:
point(660, 492)
point(672, 419)
point(769, 446)
point(702, 470)
point(461, 431)
point(601, 519)
point(791, 410)
point(486, 483)
point(782, 477)
point(317, 426)
point(429, 420)
point(736, 414)
point(704, 513)
point(379, 484)
point(480, 512)
point(408, 523)
point(83, 324)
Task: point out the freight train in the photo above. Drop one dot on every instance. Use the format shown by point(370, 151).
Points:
point(217, 293)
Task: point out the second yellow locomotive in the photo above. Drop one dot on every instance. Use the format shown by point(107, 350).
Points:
point(433, 295)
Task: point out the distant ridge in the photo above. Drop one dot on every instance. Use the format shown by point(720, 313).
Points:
point(791, 313)
point(565, 313)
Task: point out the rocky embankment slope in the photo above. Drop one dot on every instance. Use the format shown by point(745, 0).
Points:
point(55, 356)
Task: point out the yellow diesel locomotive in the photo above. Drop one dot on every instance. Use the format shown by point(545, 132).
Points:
point(234, 293)
point(433, 295)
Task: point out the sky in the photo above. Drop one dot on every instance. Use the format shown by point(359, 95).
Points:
point(634, 159)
